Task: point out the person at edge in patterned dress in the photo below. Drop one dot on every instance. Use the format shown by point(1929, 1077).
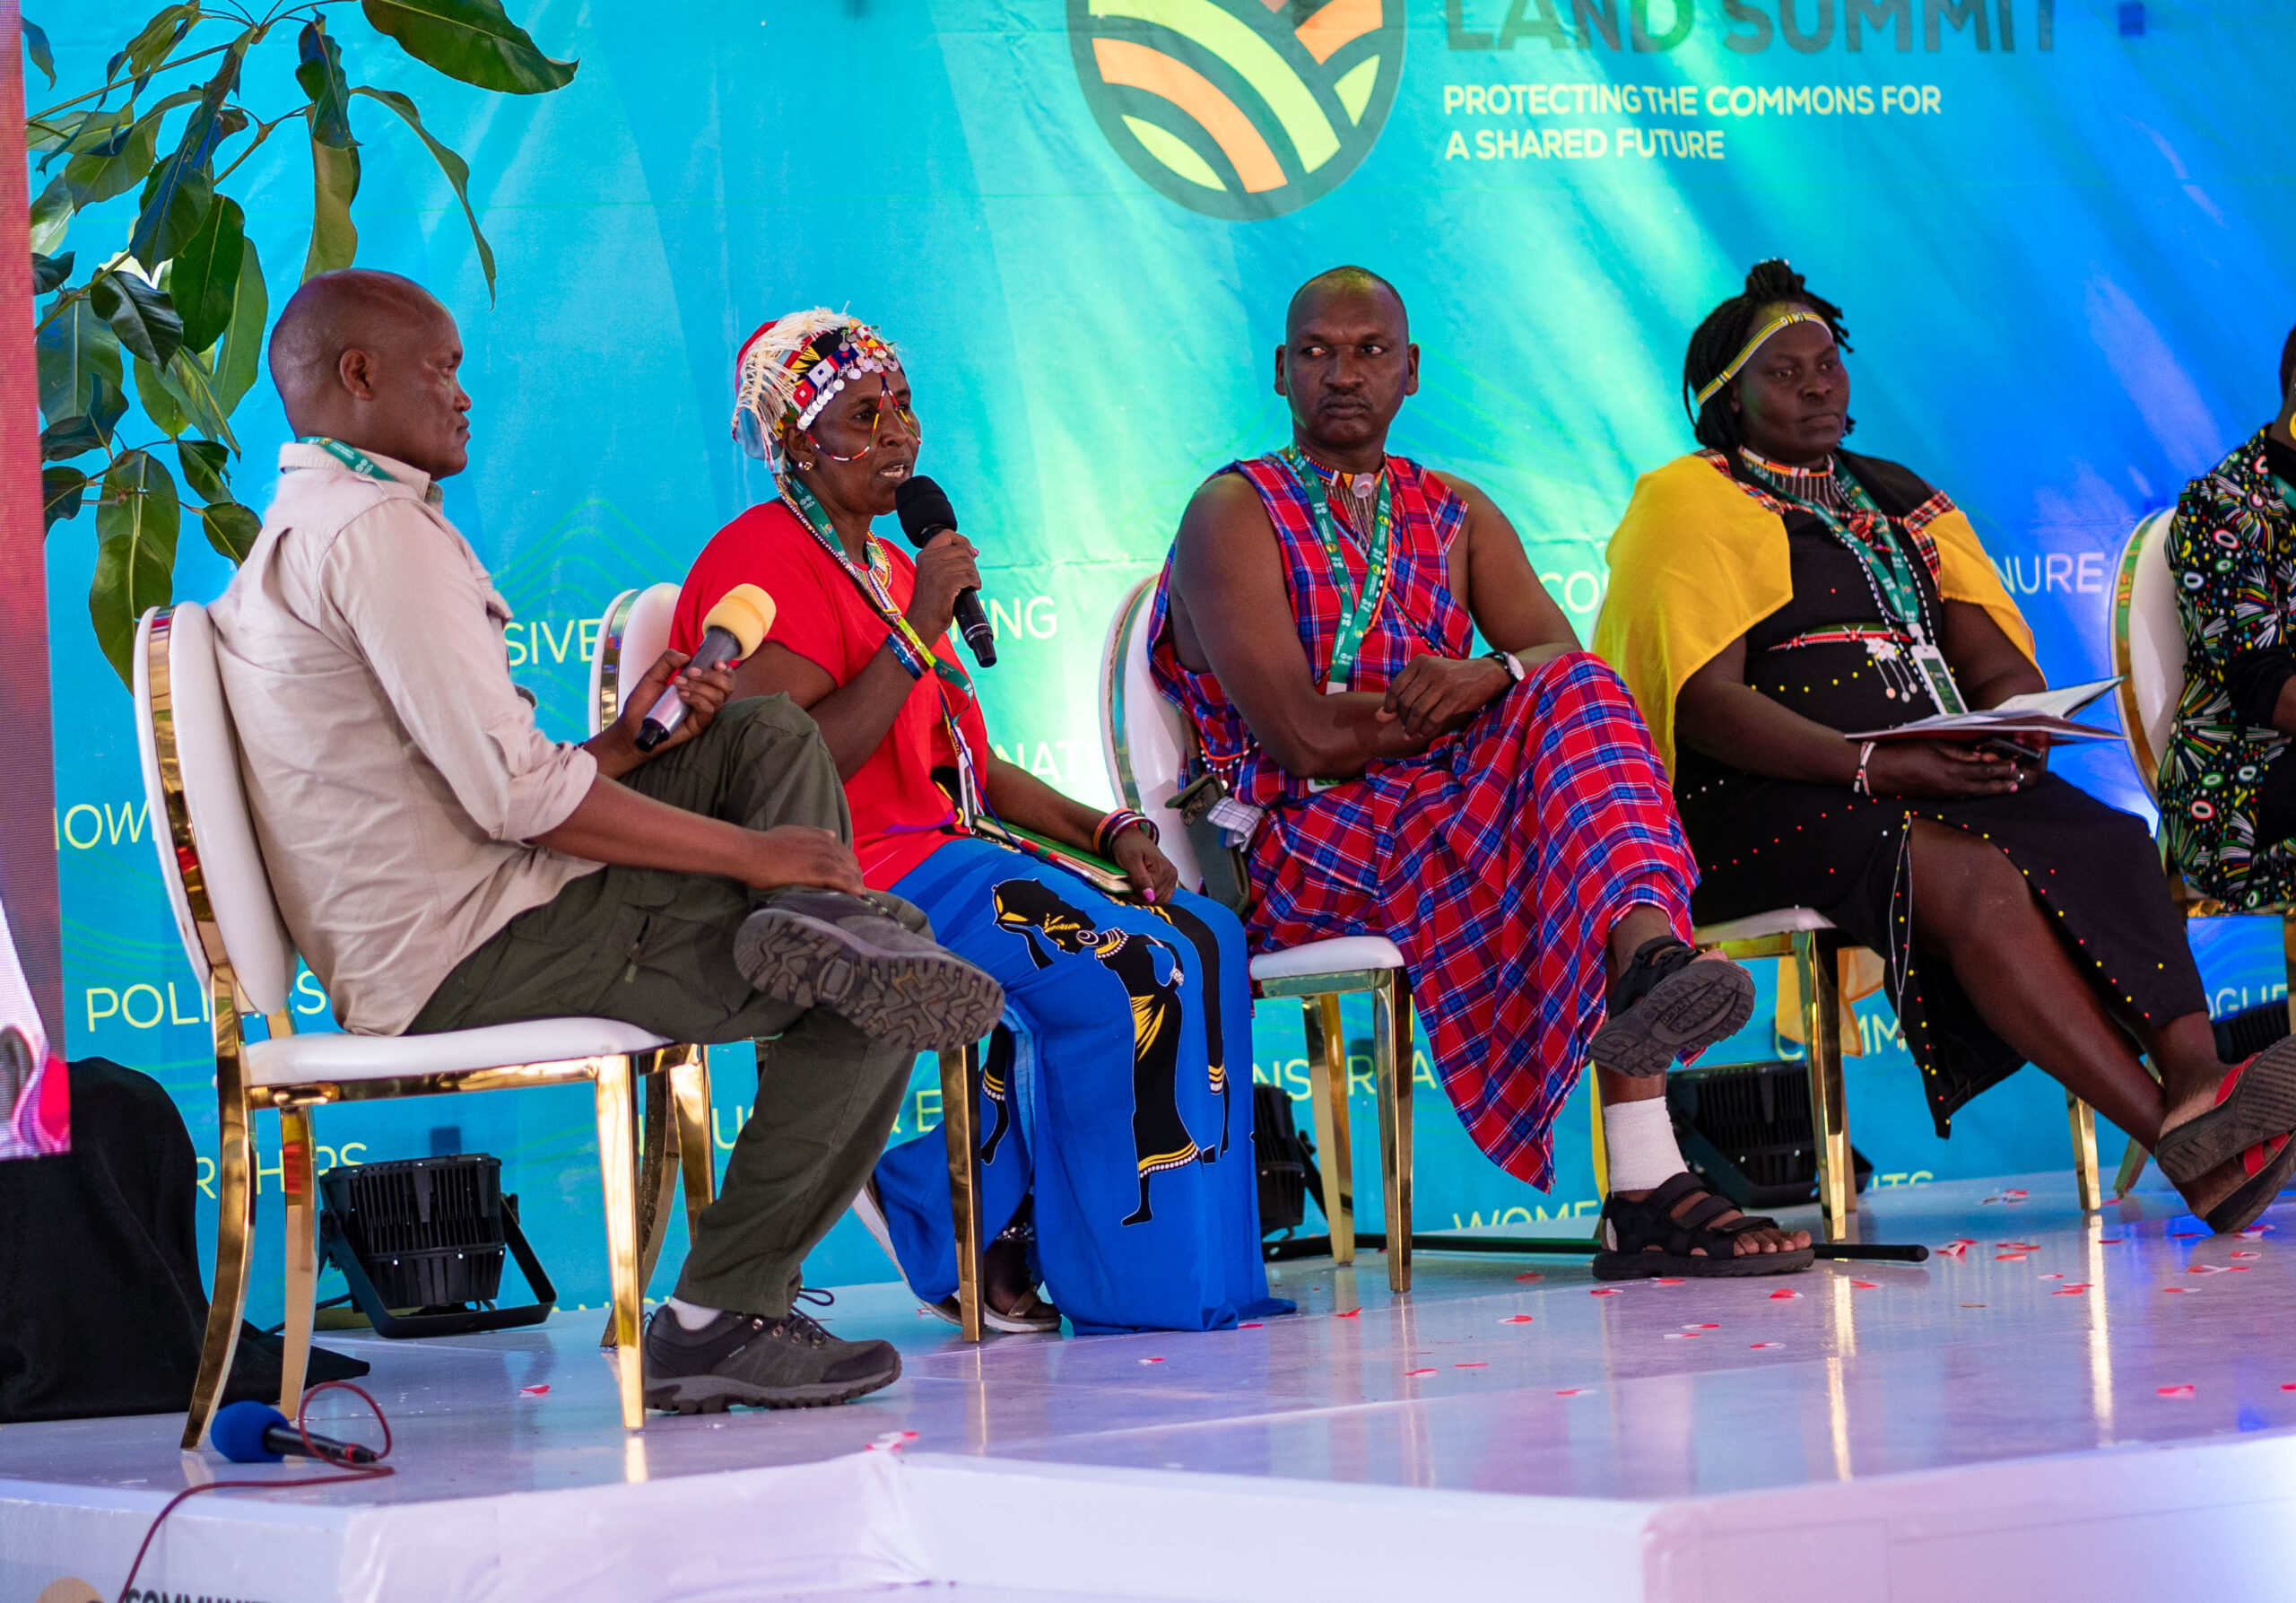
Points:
point(2228, 779)
point(1116, 1144)
point(1501, 818)
point(1771, 592)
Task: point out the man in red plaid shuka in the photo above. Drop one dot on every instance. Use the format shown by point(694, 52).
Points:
point(1502, 818)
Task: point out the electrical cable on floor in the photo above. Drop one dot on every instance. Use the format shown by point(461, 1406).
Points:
point(349, 1471)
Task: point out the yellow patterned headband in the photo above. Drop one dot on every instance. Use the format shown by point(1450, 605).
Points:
point(1783, 320)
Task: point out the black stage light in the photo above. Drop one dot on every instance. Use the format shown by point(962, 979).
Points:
point(1745, 1129)
point(421, 1240)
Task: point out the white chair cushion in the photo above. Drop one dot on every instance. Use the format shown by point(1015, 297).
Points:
point(306, 1059)
point(1786, 921)
point(1348, 955)
point(2156, 639)
point(646, 636)
point(207, 752)
point(1141, 735)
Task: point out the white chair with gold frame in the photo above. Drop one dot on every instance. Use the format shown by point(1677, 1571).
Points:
point(2148, 643)
point(632, 634)
point(238, 945)
point(1143, 739)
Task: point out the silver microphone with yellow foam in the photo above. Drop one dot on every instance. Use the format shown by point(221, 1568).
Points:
point(735, 627)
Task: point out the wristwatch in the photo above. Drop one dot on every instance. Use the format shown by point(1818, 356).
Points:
point(1507, 660)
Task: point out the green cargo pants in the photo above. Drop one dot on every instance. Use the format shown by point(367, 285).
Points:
point(655, 948)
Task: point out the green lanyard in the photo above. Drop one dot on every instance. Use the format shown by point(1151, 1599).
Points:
point(1358, 603)
point(1888, 575)
point(361, 463)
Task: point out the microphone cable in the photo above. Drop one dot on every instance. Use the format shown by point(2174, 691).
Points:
point(347, 1472)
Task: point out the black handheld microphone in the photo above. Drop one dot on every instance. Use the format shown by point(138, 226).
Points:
point(733, 629)
point(923, 509)
point(253, 1432)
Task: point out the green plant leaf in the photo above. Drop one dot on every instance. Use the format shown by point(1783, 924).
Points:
point(320, 72)
point(49, 272)
point(205, 468)
point(150, 47)
point(87, 130)
point(206, 275)
point(143, 317)
point(137, 519)
point(107, 405)
point(36, 46)
point(158, 396)
point(189, 380)
point(174, 201)
point(334, 182)
point(116, 165)
point(181, 186)
point(74, 352)
point(457, 170)
point(237, 356)
point(60, 491)
point(52, 214)
point(232, 529)
point(472, 41)
point(74, 437)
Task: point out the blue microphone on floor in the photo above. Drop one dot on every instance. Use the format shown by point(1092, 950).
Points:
point(253, 1432)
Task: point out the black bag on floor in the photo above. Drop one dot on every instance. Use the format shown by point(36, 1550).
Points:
point(101, 1305)
point(1286, 1160)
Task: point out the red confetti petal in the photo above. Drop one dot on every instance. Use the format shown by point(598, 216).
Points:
point(1701, 1327)
point(1972, 1304)
point(2245, 1253)
point(1477, 1364)
point(1604, 1291)
point(1758, 1346)
point(2288, 1385)
point(1252, 1325)
point(2239, 1268)
point(1684, 1334)
point(1534, 1275)
point(532, 1390)
point(2174, 1391)
point(1783, 1296)
point(1408, 1373)
point(2111, 1241)
point(1867, 1286)
point(1953, 1250)
point(1151, 1361)
point(1353, 1313)
point(2008, 1258)
point(2176, 1291)
point(1517, 1319)
point(2048, 1277)
point(1668, 1282)
point(1572, 1391)
point(2016, 1196)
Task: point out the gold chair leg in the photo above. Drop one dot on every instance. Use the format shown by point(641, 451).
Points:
point(2134, 1156)
point(618, 1179)
point(299, 1180)
point(959, 1116)
point(690, 1089)
point(1334, 1156)
point(1600, 1148)
point(1817, 967)
point(1392, 1068)
point(2086, 1179)
point(234, 1220)
point(657, 1174)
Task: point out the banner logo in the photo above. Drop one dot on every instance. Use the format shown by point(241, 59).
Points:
point(1240, 109)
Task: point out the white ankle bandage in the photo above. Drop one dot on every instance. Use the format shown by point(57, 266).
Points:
point(1641, 1139)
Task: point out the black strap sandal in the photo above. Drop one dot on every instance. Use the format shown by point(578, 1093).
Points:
point(1641, 1240)
point(1667, 1003)
point(2256, 1102)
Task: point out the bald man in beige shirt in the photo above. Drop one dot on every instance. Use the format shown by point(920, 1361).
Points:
point(443, 865)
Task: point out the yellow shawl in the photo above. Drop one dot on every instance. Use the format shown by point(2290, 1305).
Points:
point(1697, 561)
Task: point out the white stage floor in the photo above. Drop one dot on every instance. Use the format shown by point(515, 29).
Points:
point(2108, 1412)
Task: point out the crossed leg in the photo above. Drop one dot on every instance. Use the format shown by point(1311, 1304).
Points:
point(1973, 912)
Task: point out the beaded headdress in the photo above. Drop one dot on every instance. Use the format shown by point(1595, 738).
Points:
point(1760, 337)
point(793, 367)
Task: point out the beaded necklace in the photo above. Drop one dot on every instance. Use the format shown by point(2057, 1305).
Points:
point(1851, 516)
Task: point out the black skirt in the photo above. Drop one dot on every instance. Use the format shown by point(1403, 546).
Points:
point(1765, 843)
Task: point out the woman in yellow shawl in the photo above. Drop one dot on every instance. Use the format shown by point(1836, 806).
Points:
point(1772, 592)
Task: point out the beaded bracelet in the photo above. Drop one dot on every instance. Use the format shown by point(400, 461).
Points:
point(1861, 785)
point(906, 655)
point(1116, 824)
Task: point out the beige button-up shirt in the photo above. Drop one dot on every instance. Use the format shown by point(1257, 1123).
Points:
point(394, 771)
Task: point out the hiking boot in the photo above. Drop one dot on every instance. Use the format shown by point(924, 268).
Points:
point(826, 949)
point(788, 1363)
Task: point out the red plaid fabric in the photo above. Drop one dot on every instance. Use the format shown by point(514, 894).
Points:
point(1498, 861)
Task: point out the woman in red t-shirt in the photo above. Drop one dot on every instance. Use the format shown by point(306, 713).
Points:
point(1109, 1072)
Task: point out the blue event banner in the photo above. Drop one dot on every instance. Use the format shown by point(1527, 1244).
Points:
point(2059, 231)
